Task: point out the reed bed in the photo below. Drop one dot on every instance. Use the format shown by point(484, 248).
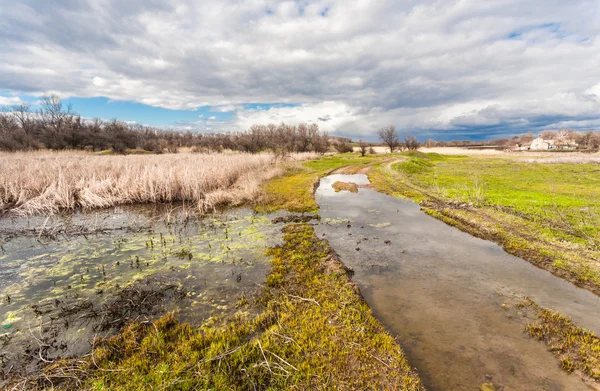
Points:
point(47, 183)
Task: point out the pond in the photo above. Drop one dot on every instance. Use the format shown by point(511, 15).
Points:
point(449, 297)
point(66, 280)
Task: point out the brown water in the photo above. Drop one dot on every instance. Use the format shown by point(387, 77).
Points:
point(441, 293)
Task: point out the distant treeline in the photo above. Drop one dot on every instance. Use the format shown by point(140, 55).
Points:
point(56, 126)
point(586, 140)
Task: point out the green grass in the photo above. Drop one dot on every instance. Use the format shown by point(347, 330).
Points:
point(314, 332)
point(542, 191)
point(548, 214)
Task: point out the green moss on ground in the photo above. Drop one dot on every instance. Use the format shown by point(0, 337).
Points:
point(314, 332)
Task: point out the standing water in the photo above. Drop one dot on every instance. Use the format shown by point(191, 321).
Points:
point(441, 293)
point(86, 275)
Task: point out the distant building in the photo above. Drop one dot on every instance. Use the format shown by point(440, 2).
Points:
point(539, 144)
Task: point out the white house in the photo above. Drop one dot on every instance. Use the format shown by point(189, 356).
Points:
point(539, 144)
point(563, 142)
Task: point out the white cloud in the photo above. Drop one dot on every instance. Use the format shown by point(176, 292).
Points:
point(330, 116)
point(10, 101)
point(595, 90)
point(452, 65)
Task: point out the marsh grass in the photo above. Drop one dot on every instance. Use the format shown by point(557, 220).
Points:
point(46, 182)
point(578, 159)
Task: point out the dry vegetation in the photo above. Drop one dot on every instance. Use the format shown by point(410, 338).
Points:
point(57, 127)
point(345, 186)
point(571, 159)
point(32, 183)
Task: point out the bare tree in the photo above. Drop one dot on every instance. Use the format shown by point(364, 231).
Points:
point(389, 136)
point(54, 114)
point(562, 138)
point(411, 142)
point(429, 143)
point(343, 146)
point(363, 147)
point(23, 115)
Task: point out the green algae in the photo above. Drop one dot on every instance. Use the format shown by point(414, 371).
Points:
point(212, 255)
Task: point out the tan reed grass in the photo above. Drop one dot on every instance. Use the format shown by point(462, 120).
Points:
point(49, 182)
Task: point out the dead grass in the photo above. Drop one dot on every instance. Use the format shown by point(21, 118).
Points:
point(48, 182)
point(345, 186)
point(576, 159)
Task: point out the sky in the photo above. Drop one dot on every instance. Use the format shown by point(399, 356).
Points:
point(450, 69)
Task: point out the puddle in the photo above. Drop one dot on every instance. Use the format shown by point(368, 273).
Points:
point(85, 275)
point(440, 292)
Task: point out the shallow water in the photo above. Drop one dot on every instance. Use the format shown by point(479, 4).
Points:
point(440, 292)
point(212, 263)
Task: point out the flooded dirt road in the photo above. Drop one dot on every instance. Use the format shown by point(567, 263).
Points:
point(448, 297)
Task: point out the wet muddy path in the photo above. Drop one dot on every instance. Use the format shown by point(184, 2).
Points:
point(448, 297)
point(85, 276)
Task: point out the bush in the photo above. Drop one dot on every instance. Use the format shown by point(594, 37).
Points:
point(343, 147)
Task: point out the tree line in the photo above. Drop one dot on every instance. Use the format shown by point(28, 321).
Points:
point(56, 126)
point(585, 140)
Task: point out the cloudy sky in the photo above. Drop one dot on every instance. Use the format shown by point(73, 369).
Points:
point(445, 69)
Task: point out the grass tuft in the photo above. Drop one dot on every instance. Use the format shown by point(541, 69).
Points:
point(345, 186)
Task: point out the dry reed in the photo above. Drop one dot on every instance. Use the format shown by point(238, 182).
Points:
point(578, 159)
point(46, 183)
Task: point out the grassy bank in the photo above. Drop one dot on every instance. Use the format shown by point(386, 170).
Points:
point(548, 214)
point(314, 332)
